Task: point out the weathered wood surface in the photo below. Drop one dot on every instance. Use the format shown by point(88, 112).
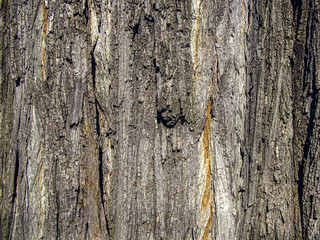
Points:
point(159, 119)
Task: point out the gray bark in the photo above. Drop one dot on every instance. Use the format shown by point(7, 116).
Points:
point(160, 119)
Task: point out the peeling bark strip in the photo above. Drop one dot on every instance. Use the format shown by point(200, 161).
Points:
point(159, 119)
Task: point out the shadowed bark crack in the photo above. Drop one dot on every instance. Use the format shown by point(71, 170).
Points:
point(175, 119)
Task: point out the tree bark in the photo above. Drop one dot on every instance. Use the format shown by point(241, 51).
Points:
point(160, 119)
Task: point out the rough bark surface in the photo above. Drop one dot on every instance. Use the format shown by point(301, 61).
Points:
point(160, 119)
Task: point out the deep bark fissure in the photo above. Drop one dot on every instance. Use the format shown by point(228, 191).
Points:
point(77, 197)
point(98, 131)
point(300, 190)
point(101, 176)
point(310, 124)
point(86, 11)
point(97, 119)
point(14, 192)
point(133, 149)
point(297, 12)
point(101, 188)
point(16, 177)
point(57, 217)
point(18, 81)
point(135, 30)
point(297, 63)
point(86, 233)
point(93, 68)
point(57, 213)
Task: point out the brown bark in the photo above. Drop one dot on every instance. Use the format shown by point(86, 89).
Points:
point(159, 119)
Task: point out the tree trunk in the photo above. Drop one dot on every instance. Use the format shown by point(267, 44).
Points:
point(160, 119)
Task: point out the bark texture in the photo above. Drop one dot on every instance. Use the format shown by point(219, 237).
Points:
point(160, 119)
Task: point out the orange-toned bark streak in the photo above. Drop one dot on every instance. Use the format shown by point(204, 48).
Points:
point(208, 226)
point(207, 199)
point(206, 148)
point(45, 22)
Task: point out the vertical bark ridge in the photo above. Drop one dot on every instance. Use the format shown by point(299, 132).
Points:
point(159, 119)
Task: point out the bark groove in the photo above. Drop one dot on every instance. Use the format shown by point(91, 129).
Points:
point(159, 119)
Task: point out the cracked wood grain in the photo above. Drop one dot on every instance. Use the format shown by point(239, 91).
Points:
point(160, 119)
